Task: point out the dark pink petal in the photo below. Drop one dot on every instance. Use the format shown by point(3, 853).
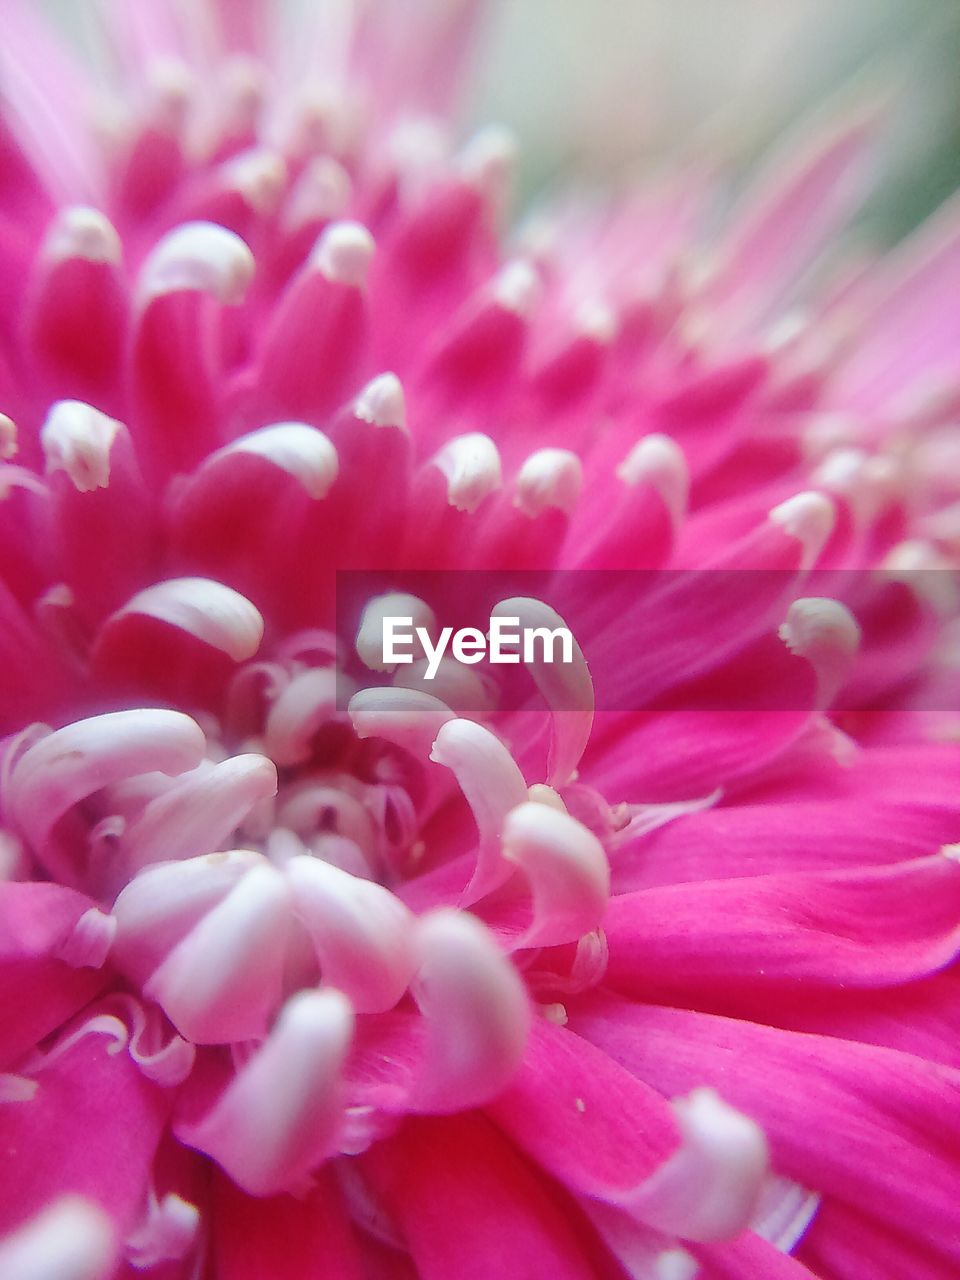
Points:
point(583, 1118)
point(92, 1127)
point(468, 1205)
point(773, 937)
point(890, 1115)
point(749, 1257)
point(286, 1237)
point(39, 989)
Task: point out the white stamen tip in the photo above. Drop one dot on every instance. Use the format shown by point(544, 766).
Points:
point(818, 625)
point(370, 634)
point(809, 517)
point(8, 438)
point(566, 867)
point(363, 934)
point(488, 160)
point(167, 1233)
point(199, 257)
point(259, 175)
point(549, 478)
point(471, 464)
point(206, 609)
point(282, 1114)
point(597, 320)
point(540, 793)
point(301, 450)
point(344, 252)
point(321, 192)
point(79, 232)
point(382, 402)
point(658, 460)
point(477, 1009)
point(72, 1239)
point(517, 287)
point(709, 1188)
point(77, 439)
point(408, 717)
point(827, 635)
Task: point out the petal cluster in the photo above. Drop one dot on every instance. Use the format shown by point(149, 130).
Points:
point(312, 964)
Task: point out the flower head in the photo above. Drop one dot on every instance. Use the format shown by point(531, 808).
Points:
point(313, 963)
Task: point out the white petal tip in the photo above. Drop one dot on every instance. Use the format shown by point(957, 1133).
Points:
point(659, 461)
point(471, 464)
point(517, 287)
point(488, 160)
point(343, 253)
point(259, 175)
point(208, 610)
point(300, 450)
point(72, 1239)
point(809, 517)
point(77, 439)
point(199, 257)
point(382, 402)
point(80, 232)
point(549, 478)
point(818, 625)
point(8, 438)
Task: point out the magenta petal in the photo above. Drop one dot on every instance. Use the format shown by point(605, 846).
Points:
point(469, 1206)
point(38, 989)
point(749, 1257)
point(763, 935)
point(891, 1117)
point(841, 1238)
point(92, 1127)
point(283, 1237)
point(591, 1124)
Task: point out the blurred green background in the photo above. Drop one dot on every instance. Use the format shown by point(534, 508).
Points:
point(611, 87)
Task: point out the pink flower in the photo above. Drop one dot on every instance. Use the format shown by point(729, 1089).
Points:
point(424, 987)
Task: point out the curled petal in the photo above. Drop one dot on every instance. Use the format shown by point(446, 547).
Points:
point(204, 609)
point(658, 461)
point(810, 518)
point(408, 718)
point(492, 784)
point(72, 1239)
point(162, 904)
point(307, 702)
point(302, 451)
point(709, 1188)
point(70, 764)
point(222, 982)
point(282, 1114)
point(471, 466)
point(198, 257)
point(362, 933)
point(167, 1233)
point(567, 870)
point(370, 634)
point(827, 634)
point(77, 439)
point(566, 686)
point(82, 232)
point(549, 478)
point(343, 253)
point(382, 402)
point(199, 811)
point(477, 1012)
